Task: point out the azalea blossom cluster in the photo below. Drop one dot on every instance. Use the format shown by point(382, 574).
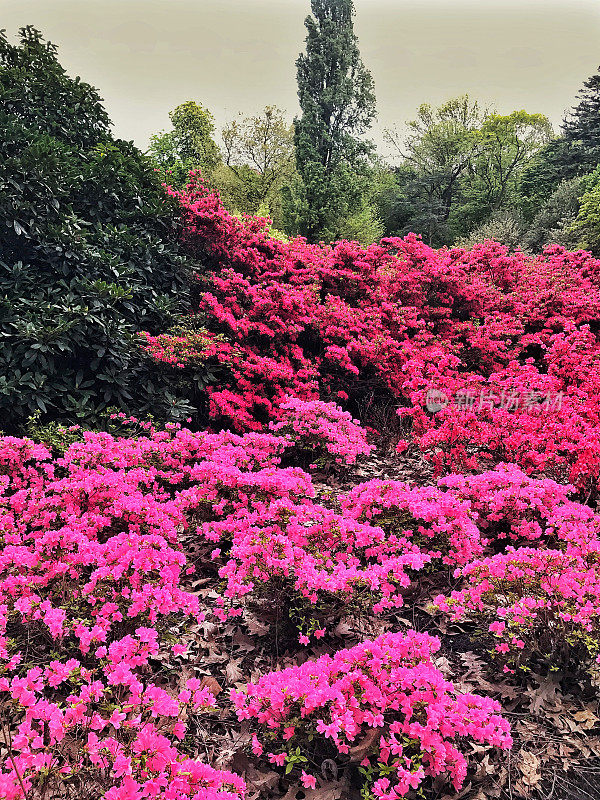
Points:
point(308, 554)
point(387, 691)
point(540, 598)
point(354, 324)
point(539, 605)
point(321, 429)
point(92, 573)
point(425, 519)
point(107, 731)
point(542, 439)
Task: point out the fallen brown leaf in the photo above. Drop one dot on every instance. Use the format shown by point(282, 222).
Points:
point(211, 684)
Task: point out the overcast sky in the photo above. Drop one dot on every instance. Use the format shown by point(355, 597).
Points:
point(146, 56)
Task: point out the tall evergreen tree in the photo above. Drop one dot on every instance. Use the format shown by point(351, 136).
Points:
point(337, 99)
point(575, 153)
point(582, 129)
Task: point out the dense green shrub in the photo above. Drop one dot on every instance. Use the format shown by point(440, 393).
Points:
point(505, 226)
point(89, 248)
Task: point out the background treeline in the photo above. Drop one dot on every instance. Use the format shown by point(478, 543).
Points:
point(457, 174)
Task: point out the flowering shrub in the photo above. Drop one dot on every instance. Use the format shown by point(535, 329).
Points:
point(321, 430)
point(538, 604)
point(293, 553)
point(389, 686)
point(423, 519)
point(102, 542)
point(541, 436)
point(387, 323)
point(509, 505)
point(106, 731)
point(92, 570)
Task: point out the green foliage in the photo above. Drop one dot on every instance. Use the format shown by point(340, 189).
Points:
point(460, 165)
point(188, 146)
point(35, 90)
point(553, 221)
point(441, 145)
point(408, 203)
point(575, 153)
point(586, 227)
point(363, 226)
point(504, 145)
point(259, 160)
point(294, 759)
point(89, 249)
point(542, 174)
point(54, 435)
point(506, 226)
point(582, 128)
point(59, 437)
point(336, 96)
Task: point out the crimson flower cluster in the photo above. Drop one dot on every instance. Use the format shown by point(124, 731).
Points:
point(389, 322)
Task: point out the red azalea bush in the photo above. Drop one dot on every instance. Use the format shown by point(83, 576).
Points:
point(390, 686)
point(498, 333)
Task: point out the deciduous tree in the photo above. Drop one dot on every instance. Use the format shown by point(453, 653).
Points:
point(189, 145)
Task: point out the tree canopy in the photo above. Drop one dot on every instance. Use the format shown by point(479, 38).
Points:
point(189, 145)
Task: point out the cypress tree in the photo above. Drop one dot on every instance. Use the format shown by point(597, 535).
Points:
point(337, 99)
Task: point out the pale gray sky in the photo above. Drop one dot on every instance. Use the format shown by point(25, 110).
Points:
point(146, 56)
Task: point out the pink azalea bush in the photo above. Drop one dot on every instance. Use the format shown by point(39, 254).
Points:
point(388, 685)
point(508, 504)
point(308, 556)
point(423, 519)
point(538, 605)
point(323, 430)
point(91, 568)
point(107, 732)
